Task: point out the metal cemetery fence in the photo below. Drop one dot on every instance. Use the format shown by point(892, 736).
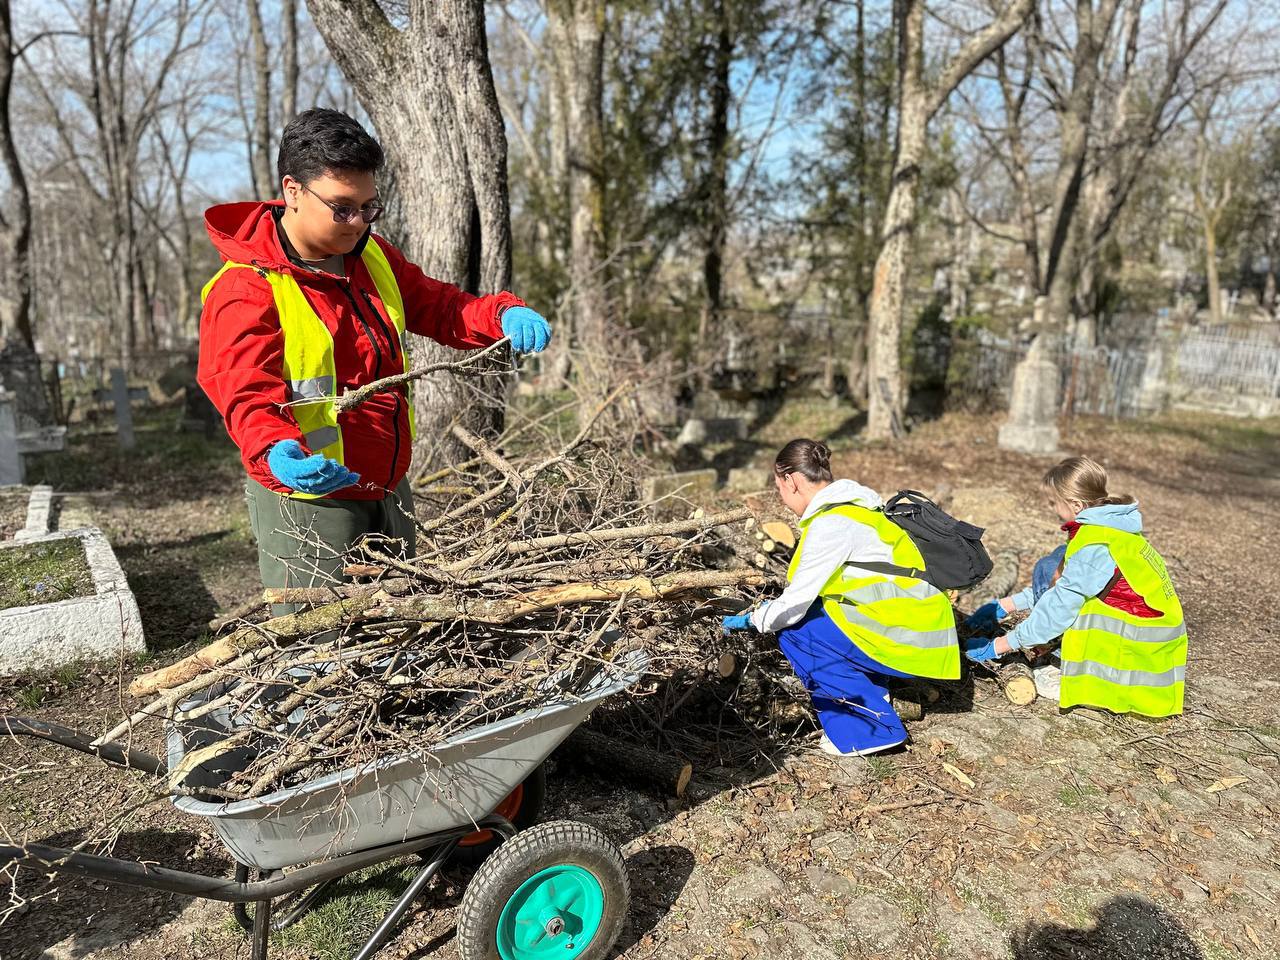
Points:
point(1224, 369)
point(1241, 362)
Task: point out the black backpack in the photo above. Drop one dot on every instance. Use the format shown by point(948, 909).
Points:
point(954, 556)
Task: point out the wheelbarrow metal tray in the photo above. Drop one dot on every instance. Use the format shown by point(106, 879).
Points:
point(401, 796)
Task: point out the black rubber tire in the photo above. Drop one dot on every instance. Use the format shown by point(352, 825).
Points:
point(546, 845)
point(535, 794)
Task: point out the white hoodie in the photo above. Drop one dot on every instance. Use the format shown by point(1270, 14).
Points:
point(832, 541)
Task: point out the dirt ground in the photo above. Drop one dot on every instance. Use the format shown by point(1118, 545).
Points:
point(1000, 832)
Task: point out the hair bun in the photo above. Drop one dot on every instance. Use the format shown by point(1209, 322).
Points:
point(822, 454)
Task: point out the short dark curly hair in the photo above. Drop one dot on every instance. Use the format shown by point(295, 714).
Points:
point(322, 140)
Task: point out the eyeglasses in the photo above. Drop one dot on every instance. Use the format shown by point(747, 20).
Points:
point(345, 212)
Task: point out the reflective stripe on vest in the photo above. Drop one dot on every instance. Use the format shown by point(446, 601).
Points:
point(309, 368)
point(1118, 661)
point(904, 623)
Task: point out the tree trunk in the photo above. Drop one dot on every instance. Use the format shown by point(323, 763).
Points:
point(429, 90)
point(918, 101)
point(579, 26)
point(1269, 287)
point(289, 68)
point(1031, 425)
point(717, 191)
point(264, 186)
point(1209, 225)
point(558, 363)
point(15, 217)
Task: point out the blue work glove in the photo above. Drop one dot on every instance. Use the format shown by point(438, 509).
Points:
point(528, 330)
point(740, 621)
point(980, 649)
point(307, 474)
point(986, 616)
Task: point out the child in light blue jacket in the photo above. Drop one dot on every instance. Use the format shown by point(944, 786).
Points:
point(1059, 587)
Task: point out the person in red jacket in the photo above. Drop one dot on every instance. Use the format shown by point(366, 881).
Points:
point(308, 305)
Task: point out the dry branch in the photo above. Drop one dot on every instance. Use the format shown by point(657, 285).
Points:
point(471, 363)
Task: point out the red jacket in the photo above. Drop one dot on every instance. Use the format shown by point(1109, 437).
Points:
point(242, 348)
point(1117, 593)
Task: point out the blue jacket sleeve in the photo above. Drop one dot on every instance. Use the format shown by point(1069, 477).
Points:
point(1024, 599)
point(1085, 575)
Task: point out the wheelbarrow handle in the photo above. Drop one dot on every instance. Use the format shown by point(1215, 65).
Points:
point(116, 753)
point(131, 872)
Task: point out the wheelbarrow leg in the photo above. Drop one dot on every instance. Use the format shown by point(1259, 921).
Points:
point(388, 924)
point(261, 929)
point(295, 908)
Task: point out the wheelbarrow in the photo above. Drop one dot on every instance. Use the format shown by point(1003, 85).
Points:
point(555, 889)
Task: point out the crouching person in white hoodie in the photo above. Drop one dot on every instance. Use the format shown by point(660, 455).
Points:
point(845, 628)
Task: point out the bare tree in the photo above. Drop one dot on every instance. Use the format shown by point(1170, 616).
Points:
point(428, 88)
point(101, 128)
point(15, 214)
point(919, 98)
point(264, 185)
point(179, 141)
point(577, 32)
point(1104, 107)
point(1139, 108)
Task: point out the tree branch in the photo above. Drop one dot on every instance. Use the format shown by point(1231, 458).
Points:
point(979, 47)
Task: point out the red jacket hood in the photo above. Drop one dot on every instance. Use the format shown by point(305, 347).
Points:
point(247, 232)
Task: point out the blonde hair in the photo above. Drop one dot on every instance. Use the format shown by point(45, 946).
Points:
point(1082, 479)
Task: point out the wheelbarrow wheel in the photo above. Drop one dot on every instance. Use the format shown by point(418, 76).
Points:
point(521, 806)
point(559, 889)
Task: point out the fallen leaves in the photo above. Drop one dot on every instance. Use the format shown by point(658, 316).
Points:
point(1226, 783)
point(959, 775)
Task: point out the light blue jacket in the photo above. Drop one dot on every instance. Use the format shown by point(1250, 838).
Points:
point(1085, 575)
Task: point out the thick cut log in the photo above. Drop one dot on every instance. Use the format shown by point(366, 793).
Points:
point(780, 532)
point(638, 766)
point(1016, 681)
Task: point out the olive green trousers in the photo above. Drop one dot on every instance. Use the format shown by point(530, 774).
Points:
point(303, 543)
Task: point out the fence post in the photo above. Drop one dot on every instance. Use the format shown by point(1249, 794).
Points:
point(124, 415)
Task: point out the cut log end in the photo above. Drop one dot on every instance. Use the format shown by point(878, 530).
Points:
point(726, 665)
point(683, 778)
point(1020, 691)
point(1017, 683)
point(780, 532)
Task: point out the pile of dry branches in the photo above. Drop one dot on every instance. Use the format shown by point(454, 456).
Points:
point(533, 568)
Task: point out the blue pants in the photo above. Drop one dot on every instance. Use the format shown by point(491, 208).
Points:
point(1042, 573)
point(846, 685)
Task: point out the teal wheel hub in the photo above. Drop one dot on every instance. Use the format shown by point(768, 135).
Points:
point(555, 913)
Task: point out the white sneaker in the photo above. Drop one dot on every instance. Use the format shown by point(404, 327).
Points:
point(829, 748)
point(1048, 680)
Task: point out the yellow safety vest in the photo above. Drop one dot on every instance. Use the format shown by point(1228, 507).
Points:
point(902, 622)
point(310, 370)
point(1115, 660)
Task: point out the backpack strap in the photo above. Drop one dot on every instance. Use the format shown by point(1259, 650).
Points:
point(889, 569)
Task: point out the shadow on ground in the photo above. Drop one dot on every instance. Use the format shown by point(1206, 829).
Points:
point(1123, 928)
point(167, 579)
